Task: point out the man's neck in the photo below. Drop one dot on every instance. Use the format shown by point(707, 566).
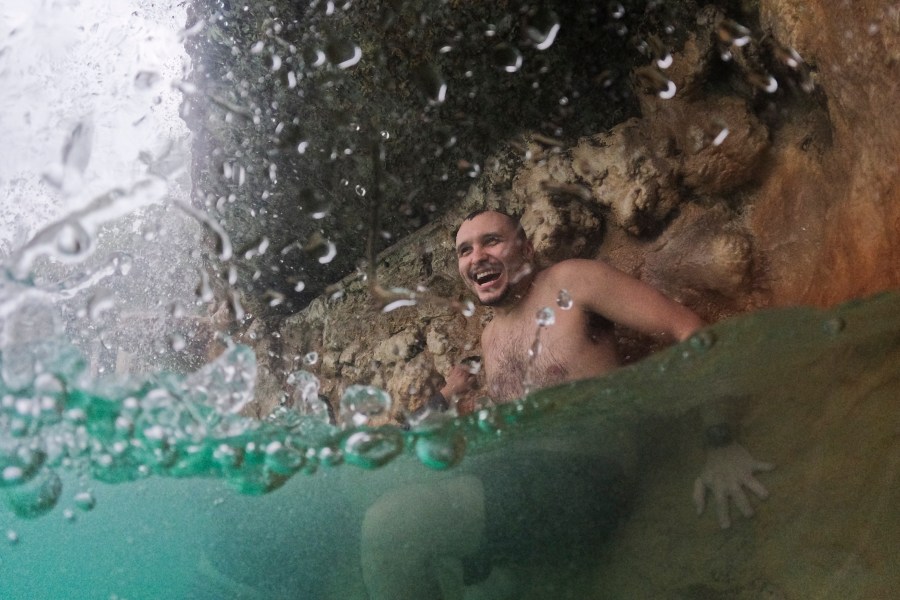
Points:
point(517, 295)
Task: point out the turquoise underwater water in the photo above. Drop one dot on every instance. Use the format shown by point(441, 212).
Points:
point(141, 489)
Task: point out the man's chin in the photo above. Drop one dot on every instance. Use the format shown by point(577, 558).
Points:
point(494, 299)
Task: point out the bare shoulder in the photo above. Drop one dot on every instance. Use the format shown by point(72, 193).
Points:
point(574, 270)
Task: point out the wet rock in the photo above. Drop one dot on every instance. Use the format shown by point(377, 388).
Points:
point(624, 173)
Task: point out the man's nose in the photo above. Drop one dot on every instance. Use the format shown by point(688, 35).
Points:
point(478, 254)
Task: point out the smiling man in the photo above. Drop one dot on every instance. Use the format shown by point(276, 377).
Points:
point(451, 539)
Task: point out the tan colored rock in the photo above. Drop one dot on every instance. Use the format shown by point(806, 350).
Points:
point(625, 174)
point(397, 348)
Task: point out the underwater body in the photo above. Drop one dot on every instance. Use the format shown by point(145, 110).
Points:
point(128, 465)
point(118, 514)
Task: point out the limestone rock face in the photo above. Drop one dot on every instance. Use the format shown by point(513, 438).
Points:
point(728, 197)
point(626, 175)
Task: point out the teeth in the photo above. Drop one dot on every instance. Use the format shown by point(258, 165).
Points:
point(480, 277)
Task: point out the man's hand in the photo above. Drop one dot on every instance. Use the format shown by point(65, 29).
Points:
point(727, 472)
point(460, 381)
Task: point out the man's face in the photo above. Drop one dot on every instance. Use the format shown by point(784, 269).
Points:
point(492, 256)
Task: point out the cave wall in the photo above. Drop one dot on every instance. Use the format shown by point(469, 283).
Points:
point(796, 204)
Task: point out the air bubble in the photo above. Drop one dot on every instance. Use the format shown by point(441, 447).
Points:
point(311, 358)
point(362, 403)
point(834, 325)
point(12, 537)
point(468, 308)
point(702, 340)
point(177, 342)
point(372, 449)
point(441, 450)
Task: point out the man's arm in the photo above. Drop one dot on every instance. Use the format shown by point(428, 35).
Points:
point(602, 289)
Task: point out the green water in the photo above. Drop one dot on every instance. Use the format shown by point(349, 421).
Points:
point(190, 503)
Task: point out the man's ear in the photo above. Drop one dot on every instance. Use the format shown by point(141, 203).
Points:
point(528, 250)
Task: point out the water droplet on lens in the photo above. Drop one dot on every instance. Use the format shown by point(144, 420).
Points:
point(507, 58)
point(545, 317)
point(362, 403)
point(564, 300)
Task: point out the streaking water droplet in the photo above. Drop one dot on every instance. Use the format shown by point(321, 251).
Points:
point(564, 300)
point(330, 253)
point(204, 290)
point(343, 54)
point(430, 81)
point(543, 28)
point(101, 302)
point(362, 403)
point(506, 57)
point(721, 137)
point(669, 92)
point(545, 317)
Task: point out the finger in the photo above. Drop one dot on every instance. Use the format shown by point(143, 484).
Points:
point(759, 465)
point(722, 508)
point(699, 496)
point(743, 504)
point(756, 487)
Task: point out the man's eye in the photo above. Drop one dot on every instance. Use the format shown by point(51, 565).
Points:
point(463, 251)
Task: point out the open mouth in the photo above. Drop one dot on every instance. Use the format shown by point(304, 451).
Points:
point(483, 278)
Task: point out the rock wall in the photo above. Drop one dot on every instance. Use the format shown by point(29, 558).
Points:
point(728, 196)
